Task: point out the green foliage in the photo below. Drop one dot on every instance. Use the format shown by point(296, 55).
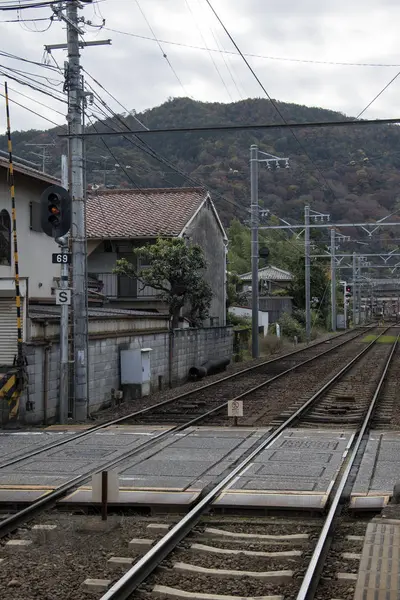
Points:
point(319, 284)
point(361, 165)
point(238, 320)
point(176, 272)
point(290, 328)
point(233, 295)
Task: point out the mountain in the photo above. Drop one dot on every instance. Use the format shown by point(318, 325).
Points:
point(350, 172)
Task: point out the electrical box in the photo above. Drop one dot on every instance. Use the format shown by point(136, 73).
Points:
point(136, 371)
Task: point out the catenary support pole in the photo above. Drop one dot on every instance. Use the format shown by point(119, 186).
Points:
point(78, 234)
point(307, 271)
point(333, 279)
point(354, 290)
point(254, 249)
point(64, 382)
point(345, 304)
point(359, 290)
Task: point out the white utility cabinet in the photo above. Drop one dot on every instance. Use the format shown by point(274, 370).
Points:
point(136, 370)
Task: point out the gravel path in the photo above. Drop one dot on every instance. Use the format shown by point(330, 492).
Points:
point(55, 565)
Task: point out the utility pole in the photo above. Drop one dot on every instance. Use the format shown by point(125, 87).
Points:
point(105, 171)
point(44, 154)
point(354, 288)
point(254, 249)
point(359, 289)
point(307, 271)
point(64, 372)
point(333, 278)
point(78, 234)
point(345, 303)
point(76, 96)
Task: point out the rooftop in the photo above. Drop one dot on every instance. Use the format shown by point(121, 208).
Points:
point(269, 273)
point(24, 170)
point(122, 214)
point(54, 312)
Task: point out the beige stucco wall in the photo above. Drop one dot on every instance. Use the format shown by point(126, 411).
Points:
point(34, 248)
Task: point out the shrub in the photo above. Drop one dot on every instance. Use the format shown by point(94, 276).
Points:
point(238, 320)
point(290, 328)
point(270, 344)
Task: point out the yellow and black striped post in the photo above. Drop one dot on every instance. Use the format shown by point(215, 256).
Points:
point(14, 399)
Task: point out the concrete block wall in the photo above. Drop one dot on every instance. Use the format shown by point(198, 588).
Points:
point(190, 347)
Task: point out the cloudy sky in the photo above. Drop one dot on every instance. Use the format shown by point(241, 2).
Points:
point(288, 37)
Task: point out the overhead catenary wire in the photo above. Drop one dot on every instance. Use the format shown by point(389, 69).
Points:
point(224, 57)
point(378, 95)
point(33, 112)
point(273, 103)
point(144, 147)
point(161, 49)
point(255, 126)
point(210, 53)
point(252, 55)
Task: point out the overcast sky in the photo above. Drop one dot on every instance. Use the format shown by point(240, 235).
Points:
point(136, 73)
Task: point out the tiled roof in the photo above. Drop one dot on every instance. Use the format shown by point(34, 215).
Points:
point(24, 170)
point(125, 214)
point(53, 312)
point(269, 273)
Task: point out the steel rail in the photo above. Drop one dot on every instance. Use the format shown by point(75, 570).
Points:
point(129, 582)
point(306, 591)
point(142, 411)
point(13, 521)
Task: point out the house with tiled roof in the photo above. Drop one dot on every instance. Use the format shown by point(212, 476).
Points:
point(270, 278)
point(117, 221)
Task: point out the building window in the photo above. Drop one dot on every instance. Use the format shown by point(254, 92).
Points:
point(5, 238)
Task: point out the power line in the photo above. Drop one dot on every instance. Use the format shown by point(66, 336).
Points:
point(113, 97)
point(23, 6)
point(377, 96)
point(146, 148)
point(115, 158)
point(37, 101)
point(250, 55)
point(34, 112)
point(162, 49)
point(215, 37)
point(210, 54)
point(25, 20)
point(254, 126)
point(274, 104)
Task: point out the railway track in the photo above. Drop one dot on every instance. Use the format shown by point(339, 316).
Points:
point(211, 572)
point(273, 370)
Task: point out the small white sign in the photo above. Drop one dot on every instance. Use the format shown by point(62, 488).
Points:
point(112, 487)
point(235, 408)
point(63, 297)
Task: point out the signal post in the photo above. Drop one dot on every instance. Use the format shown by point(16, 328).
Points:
point(56, 222)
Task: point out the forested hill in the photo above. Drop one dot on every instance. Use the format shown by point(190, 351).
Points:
point(355, 174)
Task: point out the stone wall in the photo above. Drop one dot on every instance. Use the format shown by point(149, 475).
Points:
point(190, 347)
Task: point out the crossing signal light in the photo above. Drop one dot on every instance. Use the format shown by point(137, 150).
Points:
point(55, 211)
point(349, 291)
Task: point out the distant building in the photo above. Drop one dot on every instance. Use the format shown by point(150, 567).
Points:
point(120, 220)
point(270, 278)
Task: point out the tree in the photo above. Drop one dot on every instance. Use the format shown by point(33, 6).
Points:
point(176, 272)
